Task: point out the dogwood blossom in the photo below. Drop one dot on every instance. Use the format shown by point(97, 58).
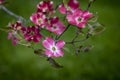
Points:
point(14, 30)
point(45, 7)
point(39, 19)
point(32, 33)
point(71, 7)
point(53, 49)
point(56, 26)
point(79, 18)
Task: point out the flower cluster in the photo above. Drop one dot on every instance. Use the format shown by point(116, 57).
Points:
point(41, 19)
point(44, 19)
point(74, 14)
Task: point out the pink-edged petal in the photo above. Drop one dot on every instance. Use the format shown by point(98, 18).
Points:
point(61, 27)
point(60, 44)
point(87, 14)
point(48, 53)
point(78, 12)
point(81, 24)
point(62, 9)
point(14, 41)
point(9, 35)
point(59, 53)
point(71, 19)
point(33, 18)
point(46, 44)
point(50, 40)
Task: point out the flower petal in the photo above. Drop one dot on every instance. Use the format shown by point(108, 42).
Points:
point(59, 53)
point(73, 4)
point(87, 14)
point(62, 9)
point(60, 44)
point(46, 44)
point(48, 53)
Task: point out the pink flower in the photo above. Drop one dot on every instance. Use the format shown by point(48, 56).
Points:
point(13, 37)
point(39, 19)
point(56, 26)
point(53, 49)
point(31, 33)
point(45, 7)
point(71, 7)
point(15, 29)
point(79, 18)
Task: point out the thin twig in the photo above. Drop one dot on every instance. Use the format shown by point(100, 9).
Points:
point(76, 36)
point(63, 32)
point(12, 14)
point(87, 37)
point(76, 49)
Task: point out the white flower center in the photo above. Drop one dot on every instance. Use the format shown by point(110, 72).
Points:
point(54, 48)
point(39, 20)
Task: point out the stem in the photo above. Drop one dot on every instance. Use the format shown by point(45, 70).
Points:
point(76, 49)
point(75, 35)
point(72, 42)
point(63, 32)
point(12, 14)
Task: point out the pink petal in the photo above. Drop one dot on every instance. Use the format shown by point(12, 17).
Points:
point(59, 53)
point(71, 19)
point(48, 53)
point(9, 35)
point(14, 41)
point(62, 9)
point(37, 38)
point(73, 4)
point(50, 40)
point(46, 44)
point(81, 24)
point(87, 14)
point(60, 44)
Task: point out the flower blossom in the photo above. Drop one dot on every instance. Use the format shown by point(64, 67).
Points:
point(71, 7)
point(32, 33)
point(39, 19)
point(45, 7)
point(53, 49)
point(79, 18)
point(14, 30)
point(56, 26)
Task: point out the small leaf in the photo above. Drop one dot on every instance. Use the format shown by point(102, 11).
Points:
point(93, 19)
point(98, 30)
point(54, 63)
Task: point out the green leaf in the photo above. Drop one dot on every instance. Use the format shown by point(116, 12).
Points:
point(98, 30)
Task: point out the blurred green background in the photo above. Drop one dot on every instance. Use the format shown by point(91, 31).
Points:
point(101, 63)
